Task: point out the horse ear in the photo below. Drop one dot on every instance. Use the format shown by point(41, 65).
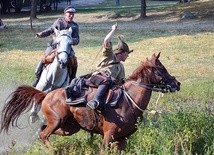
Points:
point(153, 55)
point(158, 55)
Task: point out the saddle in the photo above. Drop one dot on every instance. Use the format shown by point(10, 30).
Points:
point(50, 57)
point(82, 87)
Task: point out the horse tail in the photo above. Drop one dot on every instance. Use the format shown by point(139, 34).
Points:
point(18, 101)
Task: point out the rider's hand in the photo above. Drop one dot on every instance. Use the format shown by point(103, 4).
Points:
point(114, 26)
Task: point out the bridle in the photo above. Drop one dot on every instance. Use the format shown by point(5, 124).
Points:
point(57, 57)
point(52, 85)
point(161, 88)
point(152, 87)
point(56, 43)
point(65, 34)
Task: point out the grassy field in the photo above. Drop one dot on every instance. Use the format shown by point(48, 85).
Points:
point(186, 123)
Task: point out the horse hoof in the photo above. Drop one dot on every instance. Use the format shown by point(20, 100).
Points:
point(33, 117)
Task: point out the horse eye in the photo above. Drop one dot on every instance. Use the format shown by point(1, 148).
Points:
point(156, 72)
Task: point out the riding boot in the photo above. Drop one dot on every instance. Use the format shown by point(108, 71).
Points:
point(38, 73)
point(69, 91)
point(100, 97)
point(68, 94)
point(74, 71)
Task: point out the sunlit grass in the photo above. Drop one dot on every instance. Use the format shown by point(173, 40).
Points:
point(189, 57)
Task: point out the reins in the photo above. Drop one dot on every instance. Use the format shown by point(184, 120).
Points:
point(64, 34)
point(57, 53)
point(151, 87)
point(129, 98)
point(52, 85)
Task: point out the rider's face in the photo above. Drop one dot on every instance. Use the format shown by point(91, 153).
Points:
point(69, 16)
point(122, 56)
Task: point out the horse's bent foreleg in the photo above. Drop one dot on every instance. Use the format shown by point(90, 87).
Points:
point(48, 131)
point(120, 144)
point(69, 127)
point(53, 121)
point(107, 138)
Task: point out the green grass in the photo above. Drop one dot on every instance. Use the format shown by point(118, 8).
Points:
point(185, 125)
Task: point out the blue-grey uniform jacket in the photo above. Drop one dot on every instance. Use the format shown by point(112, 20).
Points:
point(61, 24)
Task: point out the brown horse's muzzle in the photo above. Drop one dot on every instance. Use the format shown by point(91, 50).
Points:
point(173, 85)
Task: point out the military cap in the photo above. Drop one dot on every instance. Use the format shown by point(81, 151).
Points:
point(69, 9)
point(122, 47)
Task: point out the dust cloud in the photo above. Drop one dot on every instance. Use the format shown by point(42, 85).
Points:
point(17, 138)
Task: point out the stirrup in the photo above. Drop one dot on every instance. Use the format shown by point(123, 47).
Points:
point(93, 104)
point(68, 100)
point(76, 101)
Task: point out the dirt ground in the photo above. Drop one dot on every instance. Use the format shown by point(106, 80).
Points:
point(77, 3)
point(171, 20)
point(165, 20)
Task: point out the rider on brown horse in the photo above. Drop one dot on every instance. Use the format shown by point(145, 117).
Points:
point(108, 70)
point(61, 24)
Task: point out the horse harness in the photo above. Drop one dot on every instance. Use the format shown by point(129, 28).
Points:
point(71, 64)
point(130, 100)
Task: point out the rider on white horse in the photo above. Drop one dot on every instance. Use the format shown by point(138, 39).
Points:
point(70, 26)
point(61, 24)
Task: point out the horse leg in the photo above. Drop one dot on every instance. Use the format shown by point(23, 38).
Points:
point(107, 138)
point(120, 145)
point(51, 126)
point(34, 113)
point(69, 127)
point(63, 132)
point(53, 121)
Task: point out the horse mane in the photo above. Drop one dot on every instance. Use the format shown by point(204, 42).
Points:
point(139, 70)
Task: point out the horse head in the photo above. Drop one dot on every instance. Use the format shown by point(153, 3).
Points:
point(153, 74)
point(64, 45)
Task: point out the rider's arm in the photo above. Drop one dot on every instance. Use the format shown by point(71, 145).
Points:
point(75, 34)
point(107, 40)
point(50, 30)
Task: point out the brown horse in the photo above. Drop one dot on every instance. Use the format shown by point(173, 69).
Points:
point(113, 123)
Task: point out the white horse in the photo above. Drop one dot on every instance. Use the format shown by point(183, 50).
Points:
point(55, 75)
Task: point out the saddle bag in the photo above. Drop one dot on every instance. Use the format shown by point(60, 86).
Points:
point(98, 79)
